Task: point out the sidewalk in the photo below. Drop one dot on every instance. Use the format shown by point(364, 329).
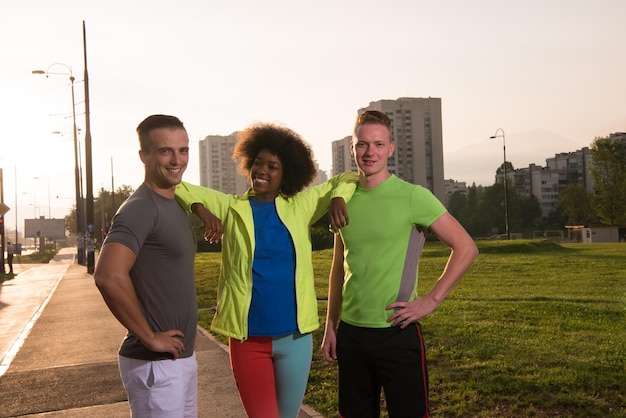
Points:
point(58, 347)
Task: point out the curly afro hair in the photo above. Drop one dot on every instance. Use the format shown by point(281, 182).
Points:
point(295, 154)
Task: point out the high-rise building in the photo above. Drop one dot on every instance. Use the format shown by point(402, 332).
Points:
point(218, 171)
point(342, 158)
point(417, 132)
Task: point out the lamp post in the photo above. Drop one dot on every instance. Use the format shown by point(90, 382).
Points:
point(79, 203)
point(506, 199)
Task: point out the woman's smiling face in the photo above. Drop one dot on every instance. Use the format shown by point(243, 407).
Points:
point(266, 175)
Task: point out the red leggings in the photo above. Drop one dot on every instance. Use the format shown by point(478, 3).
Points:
point(272, 373)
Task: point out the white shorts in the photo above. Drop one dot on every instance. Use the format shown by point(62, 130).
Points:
point(162, 388)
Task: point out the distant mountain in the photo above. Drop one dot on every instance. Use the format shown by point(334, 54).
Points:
point(479, 161)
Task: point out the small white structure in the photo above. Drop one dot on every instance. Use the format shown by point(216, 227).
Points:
point(604, 233)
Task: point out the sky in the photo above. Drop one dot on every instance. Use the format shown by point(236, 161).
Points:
point(548, 73)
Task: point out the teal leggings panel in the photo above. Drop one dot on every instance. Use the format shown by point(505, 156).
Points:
point(292, 363)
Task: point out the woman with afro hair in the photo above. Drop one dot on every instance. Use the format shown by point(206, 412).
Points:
point(266, 296)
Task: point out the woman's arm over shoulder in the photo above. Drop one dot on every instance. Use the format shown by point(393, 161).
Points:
point(341, 185)
point(317, 199)
point(344, 185)
point(215, 201)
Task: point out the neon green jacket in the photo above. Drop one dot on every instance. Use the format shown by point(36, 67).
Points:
point(298, 213)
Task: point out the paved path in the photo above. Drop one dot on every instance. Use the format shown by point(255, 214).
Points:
point(58, 350)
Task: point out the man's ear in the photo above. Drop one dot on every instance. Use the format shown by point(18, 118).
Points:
point(142, 156)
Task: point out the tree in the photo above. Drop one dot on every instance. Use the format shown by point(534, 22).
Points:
point(488, 216)
point(105, 205)
point(509, 169)
point(609, 179)
point(529, 213)
point(468, 212)
point(576, 203)
point(457, 204)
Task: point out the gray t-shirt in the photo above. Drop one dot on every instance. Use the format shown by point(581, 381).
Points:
point(158, 231)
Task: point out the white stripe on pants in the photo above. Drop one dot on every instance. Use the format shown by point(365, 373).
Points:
point(162, 388)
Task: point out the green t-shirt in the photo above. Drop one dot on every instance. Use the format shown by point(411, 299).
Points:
point(376, 242)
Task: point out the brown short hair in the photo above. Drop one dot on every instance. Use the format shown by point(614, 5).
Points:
point(155, 122)
point(374, 117)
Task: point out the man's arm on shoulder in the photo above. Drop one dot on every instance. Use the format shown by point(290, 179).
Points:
point(112, 278)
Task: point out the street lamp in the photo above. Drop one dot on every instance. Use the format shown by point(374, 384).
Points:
point(79, 209)
point(506, 199)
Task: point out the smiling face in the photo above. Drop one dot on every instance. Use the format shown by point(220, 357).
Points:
point(266, 176)
point(166, 160)
point(371, 148)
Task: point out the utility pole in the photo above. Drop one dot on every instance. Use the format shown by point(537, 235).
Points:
point(3, 210)
point(88, 168)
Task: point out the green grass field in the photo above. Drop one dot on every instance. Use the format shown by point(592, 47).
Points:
point(535, 329)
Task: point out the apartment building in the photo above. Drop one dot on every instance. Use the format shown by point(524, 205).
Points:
point(417, 132)
point(341, 156)
point(217, 169)
point(545, 183)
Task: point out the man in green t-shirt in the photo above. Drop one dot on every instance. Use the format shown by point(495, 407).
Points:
point(372, 327)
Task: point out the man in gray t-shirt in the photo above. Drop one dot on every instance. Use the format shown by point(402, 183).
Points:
point(145, 273)
point(156, 229)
